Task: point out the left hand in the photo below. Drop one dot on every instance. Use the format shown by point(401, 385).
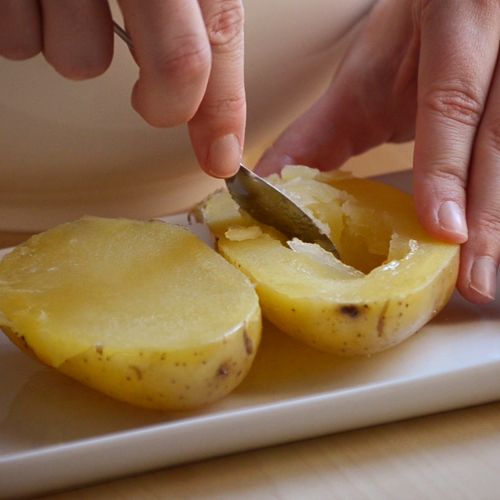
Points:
point(427, 69)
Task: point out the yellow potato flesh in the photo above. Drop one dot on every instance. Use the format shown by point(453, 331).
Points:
point(408, 276)
point(143, 311)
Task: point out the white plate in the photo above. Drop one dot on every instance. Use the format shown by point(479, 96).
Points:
point(55, 433)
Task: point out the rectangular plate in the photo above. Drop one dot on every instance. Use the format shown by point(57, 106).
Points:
point(56, 433)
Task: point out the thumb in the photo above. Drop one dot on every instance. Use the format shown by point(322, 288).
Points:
point(323, 137)
point(370, 101)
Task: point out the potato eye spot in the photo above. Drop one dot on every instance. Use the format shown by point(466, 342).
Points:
point(137, 372)
point(223, 370)
point(350, 310)
point(248, 343)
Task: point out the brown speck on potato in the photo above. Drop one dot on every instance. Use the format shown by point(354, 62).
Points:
point(381, 320)
point(137, 371)
point(223, 370)
point(162, 357)
point(247, 342)
point(350, 310)
point(380, 325)
point(99, 349)
point(128, 379)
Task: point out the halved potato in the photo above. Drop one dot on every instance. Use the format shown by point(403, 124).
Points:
point(142, 311)
point(391, 279)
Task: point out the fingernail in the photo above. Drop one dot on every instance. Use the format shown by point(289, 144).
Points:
point(452, 219)
point(224, 156)
point(483, 276)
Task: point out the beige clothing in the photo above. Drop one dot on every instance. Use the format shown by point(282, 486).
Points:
point(73, 148)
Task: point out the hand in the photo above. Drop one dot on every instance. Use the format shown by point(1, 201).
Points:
point(426, 69)
point(189, 53)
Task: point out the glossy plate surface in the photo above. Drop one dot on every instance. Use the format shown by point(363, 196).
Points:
point(55, 433)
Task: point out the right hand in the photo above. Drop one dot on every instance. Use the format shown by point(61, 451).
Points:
point(189, 53)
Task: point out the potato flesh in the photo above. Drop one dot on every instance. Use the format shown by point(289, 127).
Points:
point(409, 276)
point(143, 311)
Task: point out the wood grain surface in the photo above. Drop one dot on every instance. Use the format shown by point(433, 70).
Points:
point(453, 455)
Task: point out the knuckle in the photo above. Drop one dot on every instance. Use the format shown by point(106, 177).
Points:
point(225, 106)
point(446, 175)
point(187, 60)
point(429, 7)
point(456, 102)
point(487, 5)
point(489, 221)
point(225, 25)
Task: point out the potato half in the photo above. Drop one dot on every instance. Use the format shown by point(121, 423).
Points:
point(142, 311)
point(391, 279)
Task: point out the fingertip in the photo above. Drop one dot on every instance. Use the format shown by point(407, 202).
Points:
point(224, 156)
point(272, 162)
point(444, 220)
point(451, 220)
point(478, 282)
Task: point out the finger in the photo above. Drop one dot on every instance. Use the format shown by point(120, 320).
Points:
point(20, 29)
point(172, 49)
point(370, 101)
point(77, 37)
point(481, 254)
point(217, 130)
point(459, 43)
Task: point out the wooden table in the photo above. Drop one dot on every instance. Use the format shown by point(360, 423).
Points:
point(454, 455)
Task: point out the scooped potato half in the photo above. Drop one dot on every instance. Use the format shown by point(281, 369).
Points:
point(390, 280)
point(142, 311)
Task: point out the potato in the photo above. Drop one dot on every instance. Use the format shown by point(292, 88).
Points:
point(142, 311)
point(391, 279)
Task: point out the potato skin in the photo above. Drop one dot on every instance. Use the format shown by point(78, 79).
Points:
point(167, 380)
point(169, 370)
point(363, 328)
point(170, 380)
